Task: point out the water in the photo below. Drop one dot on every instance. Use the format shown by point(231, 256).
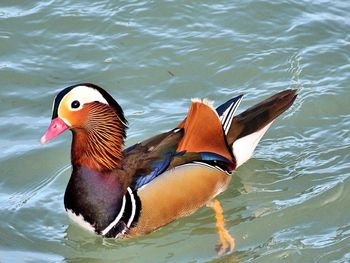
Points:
point(289, 203)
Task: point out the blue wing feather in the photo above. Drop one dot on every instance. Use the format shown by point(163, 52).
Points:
point(158, 167)
point(208, 156)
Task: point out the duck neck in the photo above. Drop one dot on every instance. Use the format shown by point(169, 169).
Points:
point(96, 196)
point(99, 144)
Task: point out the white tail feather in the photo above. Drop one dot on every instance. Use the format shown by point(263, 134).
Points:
point(244, 147)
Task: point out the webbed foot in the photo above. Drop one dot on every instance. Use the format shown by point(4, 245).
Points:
point(226, 242)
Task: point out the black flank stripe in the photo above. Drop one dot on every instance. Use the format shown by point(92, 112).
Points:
point(129, 207)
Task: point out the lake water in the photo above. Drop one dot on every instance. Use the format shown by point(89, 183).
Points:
point(290, 202)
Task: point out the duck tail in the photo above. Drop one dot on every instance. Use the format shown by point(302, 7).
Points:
point(244, 131)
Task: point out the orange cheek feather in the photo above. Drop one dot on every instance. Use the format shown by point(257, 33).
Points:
point(76, 119)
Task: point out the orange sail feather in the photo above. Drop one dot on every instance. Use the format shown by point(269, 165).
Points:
point(203, 131)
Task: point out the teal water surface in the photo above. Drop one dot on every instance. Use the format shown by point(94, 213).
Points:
point(289, 203)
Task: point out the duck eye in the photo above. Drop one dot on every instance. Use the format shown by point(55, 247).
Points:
point(75, 104)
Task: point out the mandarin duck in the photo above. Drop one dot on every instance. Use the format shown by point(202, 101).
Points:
point(117, 192)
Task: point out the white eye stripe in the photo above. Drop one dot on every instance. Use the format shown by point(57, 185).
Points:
point(85, 94)
point(82, 94)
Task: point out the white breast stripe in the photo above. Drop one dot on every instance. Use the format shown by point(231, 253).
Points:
point(116, 220)
point(133, 204)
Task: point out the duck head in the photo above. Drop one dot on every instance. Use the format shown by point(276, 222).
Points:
point(96, 121)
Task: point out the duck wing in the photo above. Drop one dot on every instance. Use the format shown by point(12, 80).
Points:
point(147, 159)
